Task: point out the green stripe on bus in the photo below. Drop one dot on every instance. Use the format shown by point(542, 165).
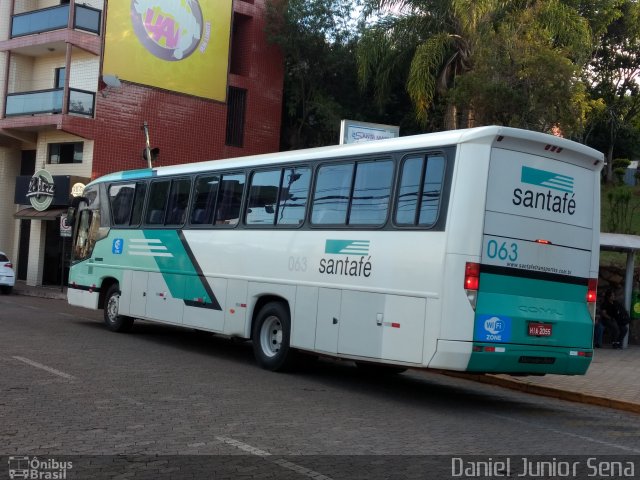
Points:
point(178, 271)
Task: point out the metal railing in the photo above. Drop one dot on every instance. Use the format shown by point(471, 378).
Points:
point(50, 101)
point(55, 18)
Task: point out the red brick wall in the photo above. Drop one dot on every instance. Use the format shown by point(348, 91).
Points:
point(189, 129)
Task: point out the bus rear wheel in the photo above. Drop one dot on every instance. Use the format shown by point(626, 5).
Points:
point(114, 321)
point(271, 335)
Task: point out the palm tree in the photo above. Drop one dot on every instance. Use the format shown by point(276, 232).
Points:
point(434, 43)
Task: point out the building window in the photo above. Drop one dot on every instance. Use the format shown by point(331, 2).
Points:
point(60, 77)
point(65, 153)
point(240, 63)
point(236, 105)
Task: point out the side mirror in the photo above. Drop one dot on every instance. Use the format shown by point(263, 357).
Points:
point(71, 216)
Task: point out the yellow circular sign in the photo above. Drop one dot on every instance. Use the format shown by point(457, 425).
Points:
point(77, 190)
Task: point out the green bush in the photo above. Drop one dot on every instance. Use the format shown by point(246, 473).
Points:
point(620, 209)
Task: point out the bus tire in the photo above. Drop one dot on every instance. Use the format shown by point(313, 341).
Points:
point(114, 321)
point(271, 335)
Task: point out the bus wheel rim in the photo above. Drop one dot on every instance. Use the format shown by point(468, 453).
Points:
point(112, 308)
point(271, 336)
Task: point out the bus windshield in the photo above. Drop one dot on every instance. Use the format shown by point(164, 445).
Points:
point(88, 224)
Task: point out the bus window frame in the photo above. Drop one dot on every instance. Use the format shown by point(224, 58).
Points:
point(187, 208)
point(448, 154)
point(243, 200)
point(161, 224)
point(210, 203)
point(110, 206)
point(282, 168)
point(354, 161)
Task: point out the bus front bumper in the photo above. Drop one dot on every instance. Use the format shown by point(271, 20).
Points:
point(83, 298)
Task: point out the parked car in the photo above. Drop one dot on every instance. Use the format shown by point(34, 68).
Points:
point(7, 276)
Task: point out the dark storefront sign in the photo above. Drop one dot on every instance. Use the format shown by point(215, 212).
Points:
point(59, 191)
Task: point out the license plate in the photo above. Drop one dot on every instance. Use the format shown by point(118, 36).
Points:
point(540, 329)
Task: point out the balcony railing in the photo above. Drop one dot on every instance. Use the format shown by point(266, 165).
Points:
point(55, 18)
point(50, 101)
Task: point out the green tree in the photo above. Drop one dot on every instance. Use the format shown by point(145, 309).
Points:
point(614, 78)
point(527, 71)
point(466, 54)
point(318, 39)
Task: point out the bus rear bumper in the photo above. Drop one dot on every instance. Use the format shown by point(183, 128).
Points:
point(529, 359)
point(83, 298)
point(510, 358)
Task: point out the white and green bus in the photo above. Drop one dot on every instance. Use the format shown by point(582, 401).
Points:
point(472, 250)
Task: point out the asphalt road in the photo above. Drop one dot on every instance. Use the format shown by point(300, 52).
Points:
point(166, 402)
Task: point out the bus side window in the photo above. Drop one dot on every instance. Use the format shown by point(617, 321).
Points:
point(331, 195)
point(294, 192)
point(121, 199)
point(158, 194)
point(204, 199)
point(432, 191)
point(229, 199)
point(420, 191)
point(138, 203)
point(371, 192)
point(263, 196)
point(178, 202)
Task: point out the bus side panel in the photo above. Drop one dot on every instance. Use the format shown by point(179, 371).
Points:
point(303, 326)
point(464, 238)
point(202, 316)
point(379, 326)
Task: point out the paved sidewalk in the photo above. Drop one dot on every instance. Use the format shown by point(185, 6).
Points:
point(613, 379)
point(49, 291)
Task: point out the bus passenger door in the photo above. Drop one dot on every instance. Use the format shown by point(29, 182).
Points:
point(328, 320)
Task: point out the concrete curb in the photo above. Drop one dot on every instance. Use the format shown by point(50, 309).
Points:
point(549, 391)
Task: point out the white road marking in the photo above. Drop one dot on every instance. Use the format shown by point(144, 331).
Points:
point(44, 367)
point(307, 472)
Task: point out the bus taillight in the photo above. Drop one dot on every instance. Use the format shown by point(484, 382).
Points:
point(472, 282)
point(592, 291)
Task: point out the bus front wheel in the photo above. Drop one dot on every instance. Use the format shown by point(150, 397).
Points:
point(114, 321)
point(271, 335)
